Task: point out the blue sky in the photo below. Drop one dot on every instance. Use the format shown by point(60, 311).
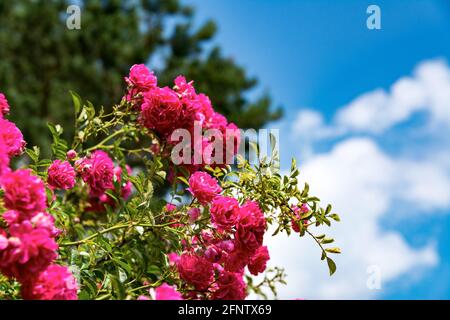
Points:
point(319, 56)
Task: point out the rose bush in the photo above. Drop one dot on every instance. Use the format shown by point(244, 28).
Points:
point(86, 225)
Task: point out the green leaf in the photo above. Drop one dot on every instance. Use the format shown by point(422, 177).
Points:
point(293, 164)
point(183, 179)
point(76, 101)
point(118, 287)
point(331, 266)
point(335, 217)
point(333, 250)
point(153, 269)
point(33, 154)
point(276, 231)
point(305, 190)
point(327, 240)
point(59, 145)
point(273, 142)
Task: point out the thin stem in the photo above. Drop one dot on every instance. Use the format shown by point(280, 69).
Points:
point(116, 227)
point(101, 143)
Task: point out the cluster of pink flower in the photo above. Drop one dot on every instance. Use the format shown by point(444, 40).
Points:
point(27, 246)
point(299, 213)
point(213, 265)
point(164, 110)
point(11, 139)
point(99, 172)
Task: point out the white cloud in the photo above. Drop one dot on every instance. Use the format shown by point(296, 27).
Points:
point(310, 124)
point(363, 184)
point(366, 185)
point(427, 90)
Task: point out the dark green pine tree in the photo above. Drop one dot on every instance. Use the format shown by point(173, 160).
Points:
point(41, 60)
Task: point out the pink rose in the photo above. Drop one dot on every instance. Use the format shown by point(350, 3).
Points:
point(97, 171)
point(259, 260)
point(61, 175)
point(224, 212)
point(166, 292)
point(195, 270)
point(298, 212)
point(71, 154)
point(161, 111)
point(4, 158)
point(4, 106)
point(230, 286)
point(12, 138)
point(204, 187)
point(141, 78)
point(250, 228)
point(194, 214)
point(24, 192)
point(54, 283)
point(30, 250)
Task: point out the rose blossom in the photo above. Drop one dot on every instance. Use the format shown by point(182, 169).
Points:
point(166, 292)
point(97, 171)
point(236, 260)
point(24, 192)
point(173, 258)
point(213, 254)
point(298, 212)
point(184, 88)
point(259, 260)
point(54, 283)
point(4, 158)
point(204, 187)
point(98, 202)
point(170, 207)
point(218, 121)
point(161, 111)
point(30, 250)
point(224, 212)
point(71, 154)
point(46, 221)
point(230, 286)
point(3, 240)
point(195, 270)
point(194, 214)
point(250, 228)
point(12, 138)
point(205, 105)
point(4, 106)
point(141, 78)
point(61, 175)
